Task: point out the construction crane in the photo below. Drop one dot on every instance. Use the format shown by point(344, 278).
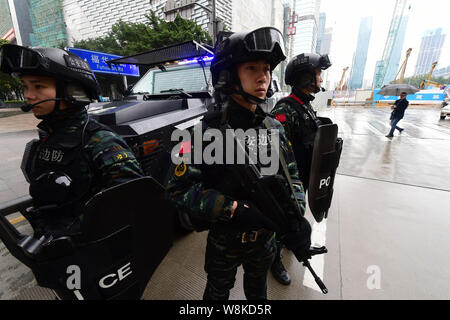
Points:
point(383, 64)
point(402, 69)
point(428, 81)
point(342, 79)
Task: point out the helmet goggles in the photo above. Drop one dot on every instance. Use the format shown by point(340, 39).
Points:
point(15, 58)
point(324, 62)
point(264, 40)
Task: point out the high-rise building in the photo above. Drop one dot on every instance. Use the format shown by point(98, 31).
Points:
point(443, 72)
point(397, 53)
point(325, 46)
point(321, 31)
point(54, 22)
point(20, 15)
point(198, 11)
point(430, 50)
point(93, 18)
point(260, 13)
point(305, 39)
point(360, 58)
point(388, 65)
point(49, 28)
point(6, 24)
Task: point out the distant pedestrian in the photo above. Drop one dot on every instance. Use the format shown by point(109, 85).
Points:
point(398, 113)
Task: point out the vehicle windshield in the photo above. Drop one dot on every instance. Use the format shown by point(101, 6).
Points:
point(189, 77)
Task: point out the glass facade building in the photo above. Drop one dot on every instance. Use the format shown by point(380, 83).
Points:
point(305, 39)
point(94, 18)
point(430, 50)
point(362, 48)
point(325, 45)
point(321, 31)
point(6, 23)
point(397, 52)
point(385, 71)
point(20, 15)
point(49, 28)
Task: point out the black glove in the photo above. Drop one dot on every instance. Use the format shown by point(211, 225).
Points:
point(248, 217)
point(299, 239)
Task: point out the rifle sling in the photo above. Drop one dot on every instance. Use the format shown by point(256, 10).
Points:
point(284, 165)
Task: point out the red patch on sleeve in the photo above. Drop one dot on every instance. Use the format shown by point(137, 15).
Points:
point(185, 148)
point(281, 117)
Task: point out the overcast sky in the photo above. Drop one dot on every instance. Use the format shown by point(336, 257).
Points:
point(345, 15)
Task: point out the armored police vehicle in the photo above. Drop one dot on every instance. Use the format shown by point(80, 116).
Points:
point(174, 93)
point(128, 229)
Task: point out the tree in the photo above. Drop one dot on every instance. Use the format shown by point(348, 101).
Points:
point(8, 84)
point(127, 38)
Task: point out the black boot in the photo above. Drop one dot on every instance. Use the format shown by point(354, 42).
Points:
point(278, 270)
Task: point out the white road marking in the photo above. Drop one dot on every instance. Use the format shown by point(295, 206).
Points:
point(318, 239)
point(373, 129)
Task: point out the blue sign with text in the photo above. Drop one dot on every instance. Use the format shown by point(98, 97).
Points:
point(419, 96)
point(97, 62)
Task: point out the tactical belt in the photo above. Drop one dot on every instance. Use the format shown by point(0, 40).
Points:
point(241, 237)
point(251, 236)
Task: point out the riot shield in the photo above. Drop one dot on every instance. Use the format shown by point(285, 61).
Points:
point(126, 232)
point(325, 160)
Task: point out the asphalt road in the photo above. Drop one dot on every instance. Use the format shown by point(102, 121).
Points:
point(387, 230)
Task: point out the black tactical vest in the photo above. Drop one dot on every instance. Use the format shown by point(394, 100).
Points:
point(219, 176)
point(303, 136)
point(60, 174)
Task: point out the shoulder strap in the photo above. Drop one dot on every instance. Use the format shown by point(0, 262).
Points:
point(94, 126)
point(289, 100)
point(90, 128)
point(284, 165)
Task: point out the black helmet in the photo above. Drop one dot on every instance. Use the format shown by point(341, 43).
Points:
point(263, 43)
point(66, 67)
point(301, 69)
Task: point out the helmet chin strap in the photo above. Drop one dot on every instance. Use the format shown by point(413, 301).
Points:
point(316, 88)
point(250, 98)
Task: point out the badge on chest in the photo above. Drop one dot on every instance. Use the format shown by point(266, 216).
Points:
point(51, 155)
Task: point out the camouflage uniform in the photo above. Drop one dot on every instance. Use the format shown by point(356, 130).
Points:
point(207, 194)
point(99, 162)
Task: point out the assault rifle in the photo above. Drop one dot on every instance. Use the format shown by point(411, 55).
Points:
point(271, 196)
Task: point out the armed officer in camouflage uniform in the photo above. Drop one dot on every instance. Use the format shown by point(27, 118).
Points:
point(239, 233)
point(75, 156)
point(303, 74)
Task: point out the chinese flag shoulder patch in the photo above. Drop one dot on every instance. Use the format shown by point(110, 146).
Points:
point(281, 117)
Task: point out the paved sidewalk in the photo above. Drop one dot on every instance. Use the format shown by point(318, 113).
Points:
point(20, 122)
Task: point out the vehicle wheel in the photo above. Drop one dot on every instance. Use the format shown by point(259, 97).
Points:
point(442, 117)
